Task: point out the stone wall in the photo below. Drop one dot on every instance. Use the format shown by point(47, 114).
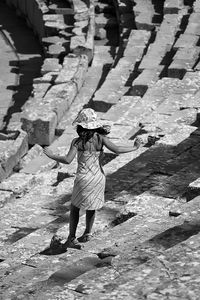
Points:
point(67, 38)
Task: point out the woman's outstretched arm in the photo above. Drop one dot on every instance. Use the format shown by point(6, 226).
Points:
point(67, 159)
point(121, 149)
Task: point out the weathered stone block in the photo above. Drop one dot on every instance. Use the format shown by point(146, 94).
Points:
point(138, 37)
point(66, 91)
point(34, 152)
point(81, 16)
point(80, 6)
point(46, 78)
point(77, 41)
point(187, 54)
point(40, 89)
point(70, 66)
point(173, 6)
point(50, 65)
point(134, 51)
point(40, 124)
point(120, 110)
point(5, 196)
point(178, 68)
point(146, 79)
point(193, 29)
point(55, 51)
point(100, 34)
point(196, 6)
point(79, 76)
point(186, 41)
point(150, 62)
point(54, 23)
point(18, 183)
point(144, 21)
point(11, 152)
point(53, 40)
point(194, 18)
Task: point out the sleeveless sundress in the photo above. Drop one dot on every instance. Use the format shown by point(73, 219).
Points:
point(89, 184)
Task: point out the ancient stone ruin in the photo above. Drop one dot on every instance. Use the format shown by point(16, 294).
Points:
point(137, 64)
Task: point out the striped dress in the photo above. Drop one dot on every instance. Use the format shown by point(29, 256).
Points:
point(89, 184)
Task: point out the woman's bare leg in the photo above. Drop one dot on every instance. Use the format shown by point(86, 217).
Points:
point(73, 222)
point(90, 216)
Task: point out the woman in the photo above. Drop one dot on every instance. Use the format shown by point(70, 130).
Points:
point(89, 184)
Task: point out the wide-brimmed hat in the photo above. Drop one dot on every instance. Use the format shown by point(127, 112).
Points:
point(87, 118)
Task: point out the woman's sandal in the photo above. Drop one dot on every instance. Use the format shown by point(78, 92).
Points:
point(72, 243)
point(85, 238)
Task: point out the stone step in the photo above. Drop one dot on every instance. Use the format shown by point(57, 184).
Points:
point(172, 7)
point(138, 222)
point(145, 80)
point(82, 259)
point(176, 186)
point(171, 94)
point(54, 21)
point(102, 59)
point(156, 274)
point(144, 13)
point(118, 76)
point(158, 50)
point(193, 103)
point(186, 41)
point(168, 121)
point(137, 252)
point(117, 113)
point(178, 68)
point(42, 162)
point(158, 201)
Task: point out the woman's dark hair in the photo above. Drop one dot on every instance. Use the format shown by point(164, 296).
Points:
point(86, 134)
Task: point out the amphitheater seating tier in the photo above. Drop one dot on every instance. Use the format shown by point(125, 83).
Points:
point(147, 235)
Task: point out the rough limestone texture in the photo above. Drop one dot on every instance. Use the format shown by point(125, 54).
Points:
point(81, 42)
point(50, 65)
point(74, 68)
point(11, 152)
point(40, 118)
point(145, 242)
point(40, 125)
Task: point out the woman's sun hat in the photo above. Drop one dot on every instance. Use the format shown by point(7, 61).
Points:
point(87, 118)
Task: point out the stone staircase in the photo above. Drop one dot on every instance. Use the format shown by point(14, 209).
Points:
point(145, 243)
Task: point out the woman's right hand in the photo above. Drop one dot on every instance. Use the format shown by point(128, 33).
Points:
point(138, 142)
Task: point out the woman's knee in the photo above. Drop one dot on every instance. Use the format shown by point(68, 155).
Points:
point(74, 208)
